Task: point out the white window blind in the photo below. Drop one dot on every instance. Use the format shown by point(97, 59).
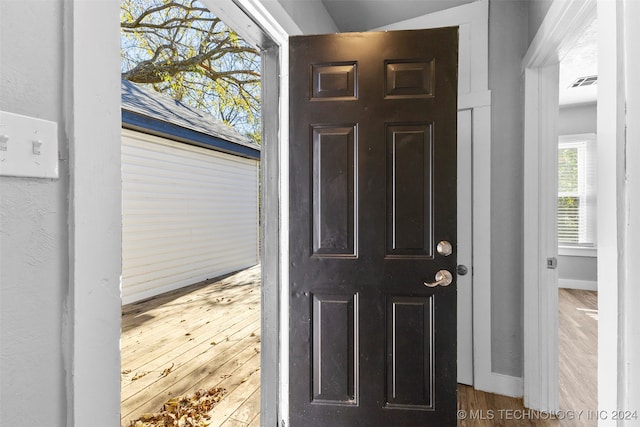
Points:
point(577, 190)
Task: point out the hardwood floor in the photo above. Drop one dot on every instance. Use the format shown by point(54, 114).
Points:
point(578, 327)
point(208, 335)
point(578, 349)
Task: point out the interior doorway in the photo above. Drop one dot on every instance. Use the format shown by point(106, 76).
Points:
point(577, 222)
point(562, 27)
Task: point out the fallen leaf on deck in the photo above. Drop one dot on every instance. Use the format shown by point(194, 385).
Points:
point(139, 375)
point(187, 411)
point(166, 371)
point(126, 371)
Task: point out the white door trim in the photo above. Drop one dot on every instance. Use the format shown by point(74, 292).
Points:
point(562, 25)
point(540, 294)
point(612, 212)
point(91, 319)
point(465, 247)
point(618, 213)
point(631, 315)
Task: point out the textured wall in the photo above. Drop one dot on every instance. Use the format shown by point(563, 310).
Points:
point(33, 225)
point(507, 45)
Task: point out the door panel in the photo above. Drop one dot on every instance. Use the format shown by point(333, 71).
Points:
point(334, 155)
point(336, 343)
point(373, 189)
point(409, 193)
point(410, 373)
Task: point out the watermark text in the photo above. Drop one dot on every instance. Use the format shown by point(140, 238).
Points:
point(529, 414)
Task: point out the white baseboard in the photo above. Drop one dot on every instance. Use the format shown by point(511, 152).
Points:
point(507, 385)
point(585, 285)
point(501, 384)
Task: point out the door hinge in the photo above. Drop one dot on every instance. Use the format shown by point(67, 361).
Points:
point(552, 263)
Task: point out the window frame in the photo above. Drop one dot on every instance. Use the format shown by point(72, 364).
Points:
point(589, 148)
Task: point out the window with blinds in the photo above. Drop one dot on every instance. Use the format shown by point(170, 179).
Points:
point(577, 191)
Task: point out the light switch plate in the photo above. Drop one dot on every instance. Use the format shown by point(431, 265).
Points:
point(28, 146)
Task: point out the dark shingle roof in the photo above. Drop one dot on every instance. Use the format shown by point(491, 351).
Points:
point(146, 110)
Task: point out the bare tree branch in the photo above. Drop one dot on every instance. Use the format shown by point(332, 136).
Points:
point(181, 49)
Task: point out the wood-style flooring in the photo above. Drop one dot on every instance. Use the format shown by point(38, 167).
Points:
point(208, 335)
point(578, 340)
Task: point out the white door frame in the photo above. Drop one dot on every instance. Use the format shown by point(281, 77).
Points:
point(618, 214)
point(616, 283)
point(562, 25)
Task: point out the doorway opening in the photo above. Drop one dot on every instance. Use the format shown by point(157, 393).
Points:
point(576, 220)
point(563, 25)
point(190, 169)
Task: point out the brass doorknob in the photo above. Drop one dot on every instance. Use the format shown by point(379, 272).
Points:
point(443, 278)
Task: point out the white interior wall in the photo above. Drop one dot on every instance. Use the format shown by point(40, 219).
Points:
point(576, 119)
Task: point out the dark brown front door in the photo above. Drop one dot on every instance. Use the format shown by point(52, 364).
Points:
point(373, 192)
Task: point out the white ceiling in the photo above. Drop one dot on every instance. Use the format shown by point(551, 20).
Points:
point(363, 15)
point(580, 61)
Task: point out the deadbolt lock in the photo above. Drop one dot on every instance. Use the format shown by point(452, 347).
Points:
point(444, 248)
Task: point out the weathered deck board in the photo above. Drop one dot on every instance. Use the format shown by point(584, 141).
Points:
point(206, 335)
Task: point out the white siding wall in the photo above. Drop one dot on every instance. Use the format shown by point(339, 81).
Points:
point(188, 214)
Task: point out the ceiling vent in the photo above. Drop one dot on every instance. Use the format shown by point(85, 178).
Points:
point(584, 81)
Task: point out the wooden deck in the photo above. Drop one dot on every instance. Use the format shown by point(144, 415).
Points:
point(206, 335)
